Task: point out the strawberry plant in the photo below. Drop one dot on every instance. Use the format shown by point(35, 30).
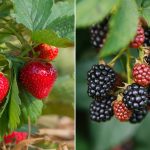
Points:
point(114, 53)
point(31, 34)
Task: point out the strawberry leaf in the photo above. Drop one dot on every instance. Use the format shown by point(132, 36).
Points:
point(14, 105)
point(51, 38)
point(31, 107)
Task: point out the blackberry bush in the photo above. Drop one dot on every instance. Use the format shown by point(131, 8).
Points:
point(98, 33)
point(135, 97)
point(147, 59)
point(101, 79)
point(101, 110)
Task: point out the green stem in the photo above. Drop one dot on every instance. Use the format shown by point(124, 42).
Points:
point(116, 57)
point(141, 53)
point(128, 67)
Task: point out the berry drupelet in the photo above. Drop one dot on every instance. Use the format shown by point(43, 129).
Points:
point(135, 97)
point(101, 110)
point(101, 79)
point(139, 38)
point(147, 37)
point(141, 74)
point(138, 115)
point(121, 112)
point(98, 33)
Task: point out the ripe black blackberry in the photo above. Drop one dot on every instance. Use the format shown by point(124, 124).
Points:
point(147, 37)
point(101, 79)
point(147, 59)
point(98, 33)
point(135, 97)
point(101, 110)
point(138, 115)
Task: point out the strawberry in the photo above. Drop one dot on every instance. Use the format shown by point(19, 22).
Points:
point(4, 87)
point(38, 78)
point(15, 137)
point(46, 51)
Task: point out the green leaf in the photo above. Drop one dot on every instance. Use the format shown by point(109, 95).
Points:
point(145, 10)
point(5, 8)
point(31, 107)
point(34, 17)
point(123, 25)
point(14, 105)
point(62, 28)
point(51, 38)
point(32, 14)
point(92, 11)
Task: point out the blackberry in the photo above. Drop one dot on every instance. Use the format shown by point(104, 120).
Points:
point(147, 37)
point(101, 79)
point(135, 97)
point(138, 115)
point(98, 33)
point(147, 59)
point(101, 110)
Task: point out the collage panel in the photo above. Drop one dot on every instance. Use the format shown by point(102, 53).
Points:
point(113, 75)
point(36, 80)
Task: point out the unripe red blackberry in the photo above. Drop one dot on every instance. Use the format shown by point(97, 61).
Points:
point(98, 33)
point(139, 38)
point(135, 97)
point(141, 74)
point(121, 112)
point(147, 59)
point(101, 110)
point(101, 79)
point(147, 37)
point(138, 115)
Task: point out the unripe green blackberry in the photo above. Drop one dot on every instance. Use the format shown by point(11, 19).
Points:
point(101, 110)
point(98, 33)
point(138, 115)
point(135, 97)
point(101, 79)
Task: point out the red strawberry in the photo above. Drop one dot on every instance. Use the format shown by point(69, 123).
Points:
point(46, 51)
point(15, 137)
point(4, 87)
point(120, 111)
point(38, 78)
point(141, 74)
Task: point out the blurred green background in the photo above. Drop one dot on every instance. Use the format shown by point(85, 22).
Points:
point(102, 136)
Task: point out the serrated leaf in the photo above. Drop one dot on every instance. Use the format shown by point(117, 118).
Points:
point(51, 38)
point(92, 11)
point(14, 105)
point(31, 107)
point(123, 26)
point(62, 28)
point(31, 13)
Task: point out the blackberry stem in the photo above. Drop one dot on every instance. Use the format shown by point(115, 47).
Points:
point(141, 53)
point(116, 57)
point(128, 67)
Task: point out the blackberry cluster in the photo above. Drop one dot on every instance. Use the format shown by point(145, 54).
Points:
point(147, 37)
point(147, 59)
point(135, 97)
point(98, 33)
point(101, 109)
point(101, 79)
